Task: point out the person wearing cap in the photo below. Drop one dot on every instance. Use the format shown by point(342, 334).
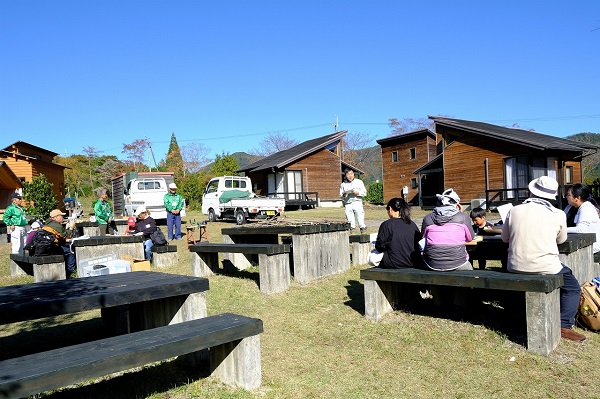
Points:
point(63, 234)
point(174, 204)
point(352, 191)
point(104, 214)
point(532, 230)
point(146, 225)
point(16, 222)
point(446, 230)
point(35, 226)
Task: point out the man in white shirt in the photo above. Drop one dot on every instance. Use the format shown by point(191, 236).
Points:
point(352, 190)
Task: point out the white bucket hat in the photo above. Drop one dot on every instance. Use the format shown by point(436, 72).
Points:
point(448, 197)
point(544, 187)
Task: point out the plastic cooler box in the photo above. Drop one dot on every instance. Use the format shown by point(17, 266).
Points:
point(106, 264)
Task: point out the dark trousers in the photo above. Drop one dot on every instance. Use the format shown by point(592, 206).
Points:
point(570, 293)
point(173, 221)
point(69, 258)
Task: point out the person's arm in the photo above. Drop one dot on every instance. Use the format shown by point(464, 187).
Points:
point(362, 191)
point(167, 202)
point(562, 232)
point(383, 238)
point(8, 218)
point(505, 235)
point(179, 202)
point(585, 216)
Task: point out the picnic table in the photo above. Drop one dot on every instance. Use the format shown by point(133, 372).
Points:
point(153, 317)
point(317, 249)
point(576, 252)
point(128, 301)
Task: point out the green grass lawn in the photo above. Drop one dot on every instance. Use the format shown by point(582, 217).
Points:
point(317, 344)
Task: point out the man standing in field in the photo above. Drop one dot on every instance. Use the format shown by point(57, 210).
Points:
point(174, 204)
point(15, 220)
point(352, 191)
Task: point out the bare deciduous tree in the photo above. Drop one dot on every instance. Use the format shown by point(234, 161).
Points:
point(354, 148)
point(91, 153)
point(274, 142)
point(195, 156)
point(135, 152)
point(406, 125)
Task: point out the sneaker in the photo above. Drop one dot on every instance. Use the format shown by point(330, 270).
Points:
point(363, 229)
point(571, 335)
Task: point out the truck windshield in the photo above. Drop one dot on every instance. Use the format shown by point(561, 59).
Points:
point(149, 185)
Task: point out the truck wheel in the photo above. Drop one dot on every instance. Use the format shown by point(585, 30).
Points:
point(211, 215)
point(240, 218)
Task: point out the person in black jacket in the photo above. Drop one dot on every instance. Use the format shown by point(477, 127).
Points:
point(146, 225)
point(398, 237)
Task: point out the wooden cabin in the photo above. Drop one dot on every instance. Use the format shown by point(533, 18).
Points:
point(487, 164)
point(308, 174)
point(9, 184)
point(405, 153)
point(27, 161)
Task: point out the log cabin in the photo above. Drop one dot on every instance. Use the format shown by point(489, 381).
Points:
point(27, 161)
point(484, 163)
point(306, 175)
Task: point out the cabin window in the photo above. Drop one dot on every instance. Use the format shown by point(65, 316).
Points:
point(394, 156)
point(412, 153)
point(569, 175)
point(413, 182)
point(519, 171)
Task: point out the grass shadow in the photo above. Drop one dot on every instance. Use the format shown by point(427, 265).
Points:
point(356, 292)
point(142, 383)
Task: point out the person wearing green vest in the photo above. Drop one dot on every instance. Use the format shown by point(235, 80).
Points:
point(104, 214)
point(174, 204)
point(15, 220)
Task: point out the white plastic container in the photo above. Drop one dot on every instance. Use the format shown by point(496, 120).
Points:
point(117, 266)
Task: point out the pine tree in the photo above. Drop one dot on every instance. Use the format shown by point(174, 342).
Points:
point(174, 161)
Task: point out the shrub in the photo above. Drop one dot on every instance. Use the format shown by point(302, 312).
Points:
point(375, 193)
point(39, 197)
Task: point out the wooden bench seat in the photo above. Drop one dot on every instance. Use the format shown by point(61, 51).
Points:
point(542, 300)
point(164, 255)
point(273, 262)
point(43, 268)
point(233, 340)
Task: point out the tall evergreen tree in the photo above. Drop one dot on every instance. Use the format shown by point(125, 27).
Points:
point(174, 161)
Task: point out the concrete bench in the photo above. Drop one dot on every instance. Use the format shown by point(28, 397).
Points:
point(273, 262)
point(233, 340)
point(383, 289)
point(164, 255)
point(361, 247)
point(43, 268)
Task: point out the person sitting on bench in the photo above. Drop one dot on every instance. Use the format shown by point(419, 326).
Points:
point(533, 229)
point(55, 225)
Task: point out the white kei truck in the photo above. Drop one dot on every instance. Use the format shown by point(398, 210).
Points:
point(134, 189)
point(231, 197)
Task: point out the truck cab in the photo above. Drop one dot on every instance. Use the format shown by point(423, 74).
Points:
point(149, 192)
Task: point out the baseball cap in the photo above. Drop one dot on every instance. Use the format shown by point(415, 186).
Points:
point(56, 212)
point(140, 209)
point(172, 185)
point(16, 195)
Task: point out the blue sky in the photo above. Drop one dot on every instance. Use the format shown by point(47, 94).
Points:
point(225, 74)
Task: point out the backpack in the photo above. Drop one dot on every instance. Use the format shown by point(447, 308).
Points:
point(589, 306)
point(44, 242)
point(158, 238)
